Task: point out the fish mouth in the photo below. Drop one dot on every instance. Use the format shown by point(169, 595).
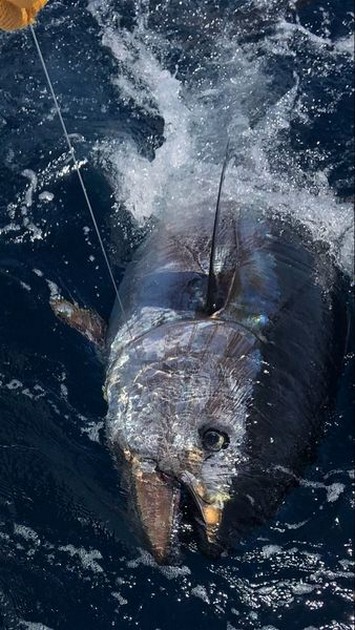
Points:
point(209, 508)
point(158, 507)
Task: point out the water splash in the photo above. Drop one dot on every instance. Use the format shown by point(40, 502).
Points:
point(233, 96)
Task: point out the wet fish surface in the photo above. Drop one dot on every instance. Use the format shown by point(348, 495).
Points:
point(162, 92)
point(218, 407)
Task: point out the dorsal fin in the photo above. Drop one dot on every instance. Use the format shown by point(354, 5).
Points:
point(212, 283)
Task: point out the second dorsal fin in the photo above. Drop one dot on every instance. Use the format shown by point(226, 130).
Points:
point(211, 306)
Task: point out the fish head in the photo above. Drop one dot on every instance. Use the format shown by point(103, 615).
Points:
point(178, 403)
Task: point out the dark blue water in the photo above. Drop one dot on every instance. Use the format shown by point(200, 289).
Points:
point(151, 91)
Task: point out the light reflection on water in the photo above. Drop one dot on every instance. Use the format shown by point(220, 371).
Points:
point(66, 558)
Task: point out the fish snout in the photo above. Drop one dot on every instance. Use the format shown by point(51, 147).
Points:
point(157, 499)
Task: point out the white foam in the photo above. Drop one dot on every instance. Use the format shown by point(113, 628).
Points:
point(31, 625)
point(197, 121)
point(88, 558)
point(14, 384)
point(53, 289)
point(170, 572)
point(31, 175)
point(92, 429)
point(46, 196)
point(300, 588)
point(20, 213)
point(27, 533)
point(121, 600)
point(201, 592)
point(296, 525)
point(346, 45)
point(334, 491)
point(269, 550)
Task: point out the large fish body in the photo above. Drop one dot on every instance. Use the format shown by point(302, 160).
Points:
point(219, 406)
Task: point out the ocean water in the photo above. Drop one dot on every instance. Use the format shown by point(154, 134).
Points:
point(150, 92)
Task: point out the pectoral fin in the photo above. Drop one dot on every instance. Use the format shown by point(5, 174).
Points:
point(85, 321)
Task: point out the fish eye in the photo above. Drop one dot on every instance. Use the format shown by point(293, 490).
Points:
point(214, 440)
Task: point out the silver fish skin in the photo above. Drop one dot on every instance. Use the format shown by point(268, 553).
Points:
point(223, 406)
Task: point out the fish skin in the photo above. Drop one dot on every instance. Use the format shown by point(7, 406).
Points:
point(262, 369)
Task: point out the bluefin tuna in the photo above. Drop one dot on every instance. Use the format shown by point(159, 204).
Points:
point(223, 355)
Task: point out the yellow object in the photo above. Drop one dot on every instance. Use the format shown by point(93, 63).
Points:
point(15, 14)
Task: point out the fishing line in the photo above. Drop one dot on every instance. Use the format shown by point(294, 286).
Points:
point(90, 208)
point(87, 199)
point(77, 169)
